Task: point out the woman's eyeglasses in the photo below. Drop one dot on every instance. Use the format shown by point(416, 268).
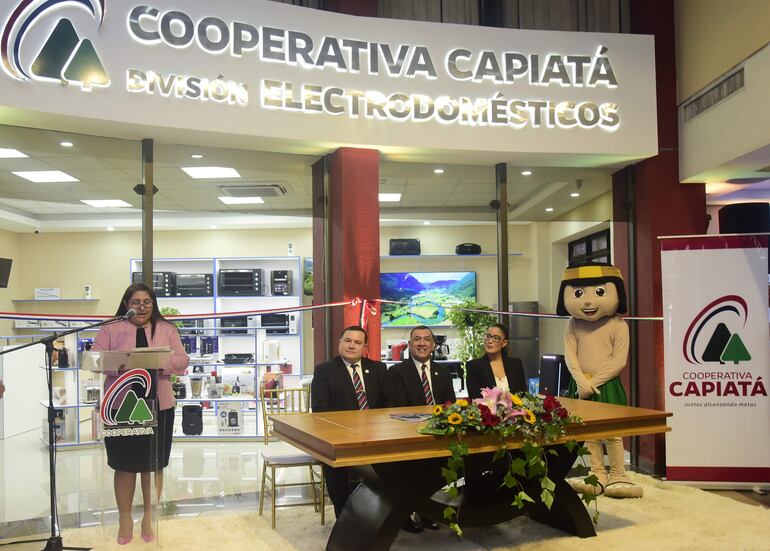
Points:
point(140, 303)
point(493, 338)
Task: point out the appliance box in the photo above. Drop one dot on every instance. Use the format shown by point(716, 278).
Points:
point(229, 418)
point(194, 285)
point(163, 283)
point(243, 282)
point(280, 282)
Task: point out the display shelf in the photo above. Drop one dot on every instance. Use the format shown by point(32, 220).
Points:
point(62, 369)
point(223, 399)
point(243, 365)
point(44, 403)
point(55, 300)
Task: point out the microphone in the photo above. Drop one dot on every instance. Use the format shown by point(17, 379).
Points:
point(130, 314)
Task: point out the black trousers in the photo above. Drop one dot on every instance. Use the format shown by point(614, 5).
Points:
point(338, 486)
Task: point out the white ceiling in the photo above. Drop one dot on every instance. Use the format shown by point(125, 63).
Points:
point(109, 169)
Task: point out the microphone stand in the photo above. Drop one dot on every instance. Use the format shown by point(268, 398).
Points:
point(54, 543)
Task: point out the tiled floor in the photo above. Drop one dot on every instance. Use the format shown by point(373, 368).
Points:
point(202, 476)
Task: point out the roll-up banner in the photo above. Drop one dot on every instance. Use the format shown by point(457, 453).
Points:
point(717, 362)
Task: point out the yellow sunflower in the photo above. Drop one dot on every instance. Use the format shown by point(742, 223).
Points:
point(462, 403)
point(516, 400)
point(438, 410)
point(529, 417)
point(454, 419)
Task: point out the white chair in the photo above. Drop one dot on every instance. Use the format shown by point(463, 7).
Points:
point(288, 401)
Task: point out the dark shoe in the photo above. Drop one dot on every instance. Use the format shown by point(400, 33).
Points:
point(411, 526)
point(425, 522)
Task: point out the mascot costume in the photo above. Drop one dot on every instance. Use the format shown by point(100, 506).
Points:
point(596, 350)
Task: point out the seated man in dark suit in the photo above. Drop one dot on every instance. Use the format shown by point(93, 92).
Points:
point(348, 382)
point(417, 382)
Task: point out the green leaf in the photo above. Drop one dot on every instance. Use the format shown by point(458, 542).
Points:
point(449, 513)
point(456, 529)
point(570, 445)
point(583, 451)
point(547, 498)
point(510, 481)
point(517, 466)
point(451, 491)
point(591, 480)
point(588, 498)
point(547, 484)
point(595, 517)
point(449, 475)
point(499, 454)
point(553, 452)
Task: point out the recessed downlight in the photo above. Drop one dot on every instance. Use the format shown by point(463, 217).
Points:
point(213, 226)
point(438, 171)
point(549, 209)
point(210, 172)
point(110, 228)
point(526, 173)
point(574, 194)
point(426, 223)
point(66, 144)
point(197, 155)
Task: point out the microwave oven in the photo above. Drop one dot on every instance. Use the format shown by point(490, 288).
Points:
point(234, 326)
point(243, 282)
point(276, 324)
point(163, 283)
point(194, 285)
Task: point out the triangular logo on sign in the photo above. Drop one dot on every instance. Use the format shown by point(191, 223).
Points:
point(85, 67)
point(735, 351)
point(141, 412)
point(56, 51)
point(127, 407)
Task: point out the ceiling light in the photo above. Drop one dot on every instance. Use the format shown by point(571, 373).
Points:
point(66, 144)
point(201, 172)
point(438, 171)
point(105, 203)
point(426, 223)
point(526, 173)
point(11, 154)
point(45, 176)
point(110, 228)
point(197, 155)
point(390, 197)
point(574, 194)
point(213, 226)
point(549, 209)
point(241, 200)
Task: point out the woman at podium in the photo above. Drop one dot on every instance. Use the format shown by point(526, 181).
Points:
point(141, 453)
point(495, 368)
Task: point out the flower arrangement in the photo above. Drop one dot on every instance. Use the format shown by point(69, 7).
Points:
point(536, 420)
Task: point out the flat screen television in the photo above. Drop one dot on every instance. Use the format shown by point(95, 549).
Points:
point(426, 294)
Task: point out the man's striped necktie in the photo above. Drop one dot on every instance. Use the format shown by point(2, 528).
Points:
point(359, 388)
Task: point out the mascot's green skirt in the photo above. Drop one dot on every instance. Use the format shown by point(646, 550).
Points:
point(612, 392)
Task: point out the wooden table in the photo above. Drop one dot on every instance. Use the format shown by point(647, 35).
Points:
point(406, 468)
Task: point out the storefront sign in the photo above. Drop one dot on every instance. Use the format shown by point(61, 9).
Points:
point(717, 363)
point(245, 64)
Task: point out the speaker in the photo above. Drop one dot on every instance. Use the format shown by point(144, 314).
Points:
point(192, 420)
point(468, 248)
point(554, 375)
point(745, 218)
point(404, 246)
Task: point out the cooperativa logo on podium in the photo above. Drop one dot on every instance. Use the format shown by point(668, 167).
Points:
point(122, 411)
point(65, 57)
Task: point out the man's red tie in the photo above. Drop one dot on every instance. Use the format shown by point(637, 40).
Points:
point(426, 386)
point(359, 388)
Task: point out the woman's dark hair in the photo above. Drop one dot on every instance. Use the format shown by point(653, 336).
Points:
point(155, 317)
point(502, 328)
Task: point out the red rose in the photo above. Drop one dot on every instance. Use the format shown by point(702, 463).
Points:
point(562, 413)
point(550, 403)
point(547, 417)
point(487, 418)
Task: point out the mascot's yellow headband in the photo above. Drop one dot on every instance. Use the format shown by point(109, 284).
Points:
point(591, 272)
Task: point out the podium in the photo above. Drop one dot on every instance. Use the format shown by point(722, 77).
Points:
point(126, 418)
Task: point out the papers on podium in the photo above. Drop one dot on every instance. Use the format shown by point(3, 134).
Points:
point(111, 361)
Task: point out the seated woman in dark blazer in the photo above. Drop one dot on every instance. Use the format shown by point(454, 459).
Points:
point(495, 369)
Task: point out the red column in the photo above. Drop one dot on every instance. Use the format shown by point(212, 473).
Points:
point(649, 201)
point(351, 216)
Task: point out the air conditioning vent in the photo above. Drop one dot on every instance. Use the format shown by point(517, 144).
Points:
point(722, 89)
point(255, 190)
